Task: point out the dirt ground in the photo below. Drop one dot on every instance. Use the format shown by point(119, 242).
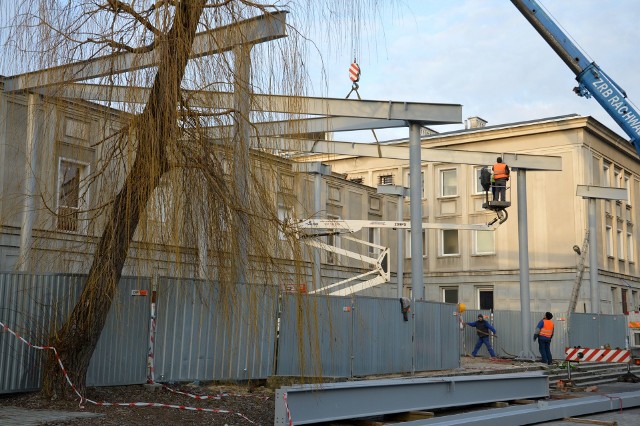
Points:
point(246, 405)
point(237, 405)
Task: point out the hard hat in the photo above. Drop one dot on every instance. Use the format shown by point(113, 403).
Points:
point(462, 307)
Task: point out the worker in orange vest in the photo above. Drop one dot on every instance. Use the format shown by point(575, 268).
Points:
point(544, 334)
point(501, 174)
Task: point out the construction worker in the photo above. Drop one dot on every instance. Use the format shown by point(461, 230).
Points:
point(501, 174)
point(544, 334)
point(483, 328)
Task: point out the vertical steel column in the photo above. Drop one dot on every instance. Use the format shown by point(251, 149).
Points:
point(400, 192)
point(593, 258)
point(317, 206)
point(523, 249)
point(400, 232)
point(415, 207)
point(242, 128)
point(30, 170)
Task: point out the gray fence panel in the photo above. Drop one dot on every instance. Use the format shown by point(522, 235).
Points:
point(32, 306)
point(205, 334)
point(315, 336)
point(381, 338)
point(508, 325)
point(437, 336)
point(120, 357)
point(593, 330)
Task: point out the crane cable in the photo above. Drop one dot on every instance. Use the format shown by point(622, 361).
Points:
point(354, 76)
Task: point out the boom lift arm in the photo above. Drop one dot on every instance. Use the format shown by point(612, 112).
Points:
point(592, 80)
point(380, 262)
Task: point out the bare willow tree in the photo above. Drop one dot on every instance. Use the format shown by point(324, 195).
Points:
point(163, 153)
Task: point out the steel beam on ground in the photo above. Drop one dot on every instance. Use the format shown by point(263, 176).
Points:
point(251, 31)
point(398, 152)
point(348, 400)
point(543, 411)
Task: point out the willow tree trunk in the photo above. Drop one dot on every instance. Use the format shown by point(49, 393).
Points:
point(153, 130)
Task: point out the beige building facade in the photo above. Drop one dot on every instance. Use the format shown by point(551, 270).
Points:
point(59, 219)
point(481, 269)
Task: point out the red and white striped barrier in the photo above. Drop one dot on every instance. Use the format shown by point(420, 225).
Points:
point(4, 327)
point(597, 355)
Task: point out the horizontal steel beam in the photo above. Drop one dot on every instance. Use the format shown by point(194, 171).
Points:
point(602, 192)
point(311, 125)
point(425, 113)
point(521, 161)
point(348, 400)
point(251, 31)
point(543, 411)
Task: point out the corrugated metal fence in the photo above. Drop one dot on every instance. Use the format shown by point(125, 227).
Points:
point(204, 333)
point(508, 325)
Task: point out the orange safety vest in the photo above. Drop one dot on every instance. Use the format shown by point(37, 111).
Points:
point(547, 328)
point(500, 171)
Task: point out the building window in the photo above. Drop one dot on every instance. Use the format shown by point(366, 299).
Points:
point(357, 180)
point(449, 184)
point(476, 183)
point(620, 244)
point(334, 241)
point(625, 305)
point(605, 175)
point(448, 179)
point(484, 242)
point(617, 182)
point(449, 239)
point(284, 214)
point(609, 241)
point(627, 186)
point(407, 239)
point(485, 298)
point(635, 302)
point(385, 180)
point(70, 196)
point(334, 193)
point(450, 294)
point(374, 238)
point(630, 252)
point(615, 302)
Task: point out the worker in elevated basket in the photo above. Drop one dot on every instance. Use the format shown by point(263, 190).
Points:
point(483, 328)
point(544, 334)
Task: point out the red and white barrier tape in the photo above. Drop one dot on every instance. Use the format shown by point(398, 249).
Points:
point(152, 337)
point(218, 396)
point(121, 404)
point(286, 406)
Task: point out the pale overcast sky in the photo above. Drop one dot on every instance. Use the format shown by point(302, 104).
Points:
point(482, 54)
point(485, 55)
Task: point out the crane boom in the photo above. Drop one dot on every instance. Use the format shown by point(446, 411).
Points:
point(592, 80)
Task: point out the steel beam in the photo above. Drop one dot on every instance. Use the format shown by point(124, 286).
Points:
point(602, 192)
point(251, 31)
point(312, 125)
point(419, 112)
point(398, 152)
point(335, 401)
point(543, 411)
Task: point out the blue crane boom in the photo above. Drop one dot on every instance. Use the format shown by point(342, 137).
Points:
point(592, 80)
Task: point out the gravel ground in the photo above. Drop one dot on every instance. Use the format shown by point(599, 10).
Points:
point(243, 405)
